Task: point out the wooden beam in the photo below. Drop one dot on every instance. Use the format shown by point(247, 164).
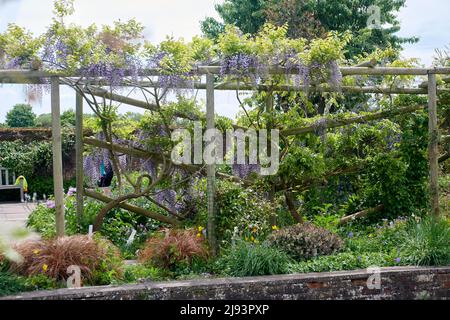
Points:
point(433, 151)
point(424, 84)
point(361, 214)
point(225, 86)
point(131, 208)
point(334, 123)
point(347, 71)
point(211, 168)
point(57, 157)
point(157, 157)
point(135, 102)
point(119, 98)
point(25, 75)
point(79, 155)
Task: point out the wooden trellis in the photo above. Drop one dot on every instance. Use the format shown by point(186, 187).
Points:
point(34, 77)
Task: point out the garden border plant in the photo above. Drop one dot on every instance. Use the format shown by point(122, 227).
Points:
point(52, 58)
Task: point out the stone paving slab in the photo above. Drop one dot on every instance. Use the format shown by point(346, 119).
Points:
point(13, 216)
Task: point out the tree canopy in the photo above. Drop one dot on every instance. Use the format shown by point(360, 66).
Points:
point(311, 18)
point(21, 116)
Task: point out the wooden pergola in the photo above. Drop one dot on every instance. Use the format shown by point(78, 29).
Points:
point(429, 88)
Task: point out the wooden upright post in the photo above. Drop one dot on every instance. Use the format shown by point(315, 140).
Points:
point(79, 154)
point(433, 152)
point(211, 168)
point(57, 157)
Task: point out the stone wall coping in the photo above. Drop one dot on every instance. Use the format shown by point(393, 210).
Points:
point(103, 291)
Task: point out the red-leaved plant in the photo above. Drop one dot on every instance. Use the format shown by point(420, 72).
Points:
point(173, 246)
point(53, 257)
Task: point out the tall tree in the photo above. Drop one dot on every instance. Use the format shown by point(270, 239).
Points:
point(312, 18)
point(21, 115)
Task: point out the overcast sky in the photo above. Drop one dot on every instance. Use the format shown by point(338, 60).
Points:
point(180, 18)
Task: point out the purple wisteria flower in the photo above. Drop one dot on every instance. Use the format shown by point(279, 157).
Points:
point(239, 64)
point(244, 170)
point(50, 204)
point(167, 198)
point(114, 74)
point(71, 191)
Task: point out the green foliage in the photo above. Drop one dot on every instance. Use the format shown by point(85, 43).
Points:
point(68, 118)
point(310, 18)
point(34, 161)
point(44, 185)
point(110, 267)
point(272, 41)
point(19, 44)
point(11, 284)
point(247, 15)
point(21, 116)
point(343, 261)
point(241, 213)
point(399, 179)
point(304, 241)
point(211, 28)
point(137, 272)
point(41, 282)
point(386, 237)
point(427, 243)
point(117, 226)
point(245, 259)
point(44, 120)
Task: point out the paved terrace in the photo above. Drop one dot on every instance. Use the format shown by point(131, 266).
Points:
point(14, 215)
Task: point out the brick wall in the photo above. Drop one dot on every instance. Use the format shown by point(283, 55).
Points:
point(396, 283)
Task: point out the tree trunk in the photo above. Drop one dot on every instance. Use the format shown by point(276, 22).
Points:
point(291, 206)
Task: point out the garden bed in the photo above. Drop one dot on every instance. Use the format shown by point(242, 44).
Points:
point(396, 283)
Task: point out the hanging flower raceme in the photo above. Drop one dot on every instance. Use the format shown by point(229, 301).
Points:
point(239, 64)
point(98, 162)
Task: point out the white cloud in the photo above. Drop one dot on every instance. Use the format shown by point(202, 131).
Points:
point(429, 21)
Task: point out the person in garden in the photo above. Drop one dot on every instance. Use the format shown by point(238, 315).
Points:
point(21, 180)
point(106, 174)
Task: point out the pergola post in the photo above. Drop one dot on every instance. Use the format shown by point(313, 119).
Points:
point(79, 155)
point(211, 168)
point(433, 151)
point(57, 157)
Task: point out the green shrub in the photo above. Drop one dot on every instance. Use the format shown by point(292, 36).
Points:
point(344, 261)
point(42, 282)
point(427, 242)
point(304, 241)
point(11, 284)
point(139, 272)
point(241, 213)
point(44, 185)
point(110, 267)
point(245, 259)
point(385, 238)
